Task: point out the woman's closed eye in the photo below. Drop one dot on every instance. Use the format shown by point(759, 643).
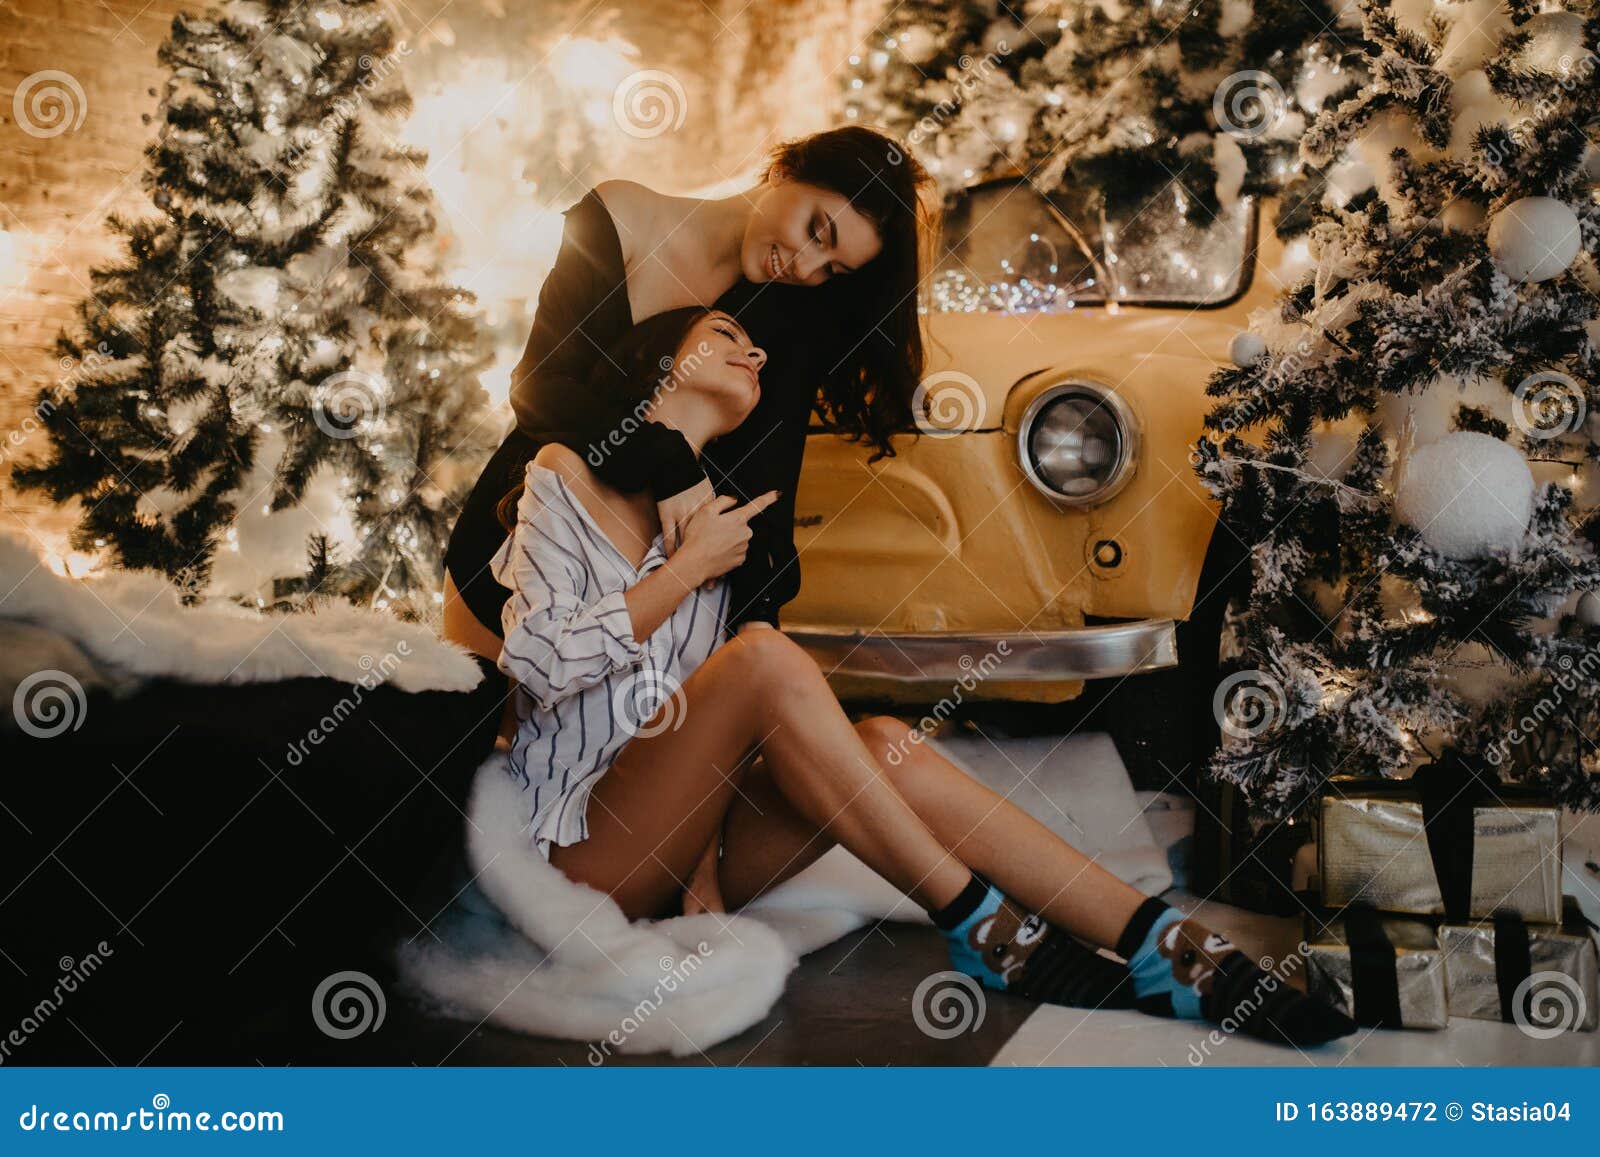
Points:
point(832, 240)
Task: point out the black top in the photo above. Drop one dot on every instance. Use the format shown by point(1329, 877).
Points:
point(583, 308)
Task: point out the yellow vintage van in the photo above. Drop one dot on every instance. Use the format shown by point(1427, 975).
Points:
point(1045, 525)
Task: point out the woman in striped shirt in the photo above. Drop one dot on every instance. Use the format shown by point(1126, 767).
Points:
point(665, 765)
point(589, 578)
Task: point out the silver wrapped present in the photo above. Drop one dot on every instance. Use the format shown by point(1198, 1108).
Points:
point(1550, 970)
point(1373, 848)
point(1392, 977)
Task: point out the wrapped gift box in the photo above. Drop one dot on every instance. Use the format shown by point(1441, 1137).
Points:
point(1381, 844)
point(1385, 971)
point(1486, 962)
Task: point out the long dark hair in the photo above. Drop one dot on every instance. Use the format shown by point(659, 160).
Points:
point(631, 370)
point(868, 384)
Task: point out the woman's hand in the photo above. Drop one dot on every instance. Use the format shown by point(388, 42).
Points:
point(703, 892)
point(676, 511)
point(718, 535)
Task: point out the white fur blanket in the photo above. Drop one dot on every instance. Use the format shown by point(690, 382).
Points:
point(528, 949)
point(133, 625)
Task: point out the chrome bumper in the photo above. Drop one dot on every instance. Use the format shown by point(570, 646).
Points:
point(1031, 657)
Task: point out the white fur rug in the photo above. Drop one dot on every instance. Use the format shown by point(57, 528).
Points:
point(133, 625)
point(526, 948)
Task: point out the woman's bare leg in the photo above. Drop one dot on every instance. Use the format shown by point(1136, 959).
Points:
point(765, 840)
point(656, 808)
point(1025, 859)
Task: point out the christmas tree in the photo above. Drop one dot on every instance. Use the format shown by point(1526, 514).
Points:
point(1124, 99)
point(1406, 443)
point(275, 392)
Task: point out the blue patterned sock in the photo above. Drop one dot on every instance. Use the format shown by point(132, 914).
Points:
point(1170, 973)
point(998, 944)
point(1182, 969)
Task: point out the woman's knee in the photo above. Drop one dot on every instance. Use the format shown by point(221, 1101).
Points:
point(889, 739)
point(768, 659)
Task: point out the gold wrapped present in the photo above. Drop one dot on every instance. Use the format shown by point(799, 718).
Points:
point(1543, 976)
point(1389, 845)
point(1383, 971)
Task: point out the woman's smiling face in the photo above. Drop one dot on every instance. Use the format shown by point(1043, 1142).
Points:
point(718, 362)
point(802, 234)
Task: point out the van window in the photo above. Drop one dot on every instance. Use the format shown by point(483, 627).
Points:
point(1006, 247)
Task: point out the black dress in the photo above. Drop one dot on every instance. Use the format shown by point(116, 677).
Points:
point(583, 308)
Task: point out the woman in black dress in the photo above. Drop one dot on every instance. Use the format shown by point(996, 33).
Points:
point(819, 262)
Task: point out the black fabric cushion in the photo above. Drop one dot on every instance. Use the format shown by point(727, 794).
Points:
point(232, 846)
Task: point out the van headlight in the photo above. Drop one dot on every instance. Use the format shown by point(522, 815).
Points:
point(1078, 443)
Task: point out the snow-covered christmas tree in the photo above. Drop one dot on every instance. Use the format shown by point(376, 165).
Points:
point(1409, 443)
point(1122, 97)
point(275, 392)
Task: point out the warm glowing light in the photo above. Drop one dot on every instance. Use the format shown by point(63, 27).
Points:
point(496, 381)
point(13, 269)
point(490, 118)
point(69, 563)
point(593, 66)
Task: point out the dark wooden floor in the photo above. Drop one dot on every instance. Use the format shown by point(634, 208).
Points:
point(847, 1004)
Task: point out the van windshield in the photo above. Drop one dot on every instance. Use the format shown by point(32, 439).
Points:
point(1005, 247)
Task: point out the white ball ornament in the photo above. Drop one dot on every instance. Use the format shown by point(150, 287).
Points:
point(1246, 348)
point(1555, 42)
point(1468, 494)
point(1588, 611)
point(1534, 239)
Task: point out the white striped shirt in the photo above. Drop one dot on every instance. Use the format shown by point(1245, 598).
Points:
point(585, 685)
